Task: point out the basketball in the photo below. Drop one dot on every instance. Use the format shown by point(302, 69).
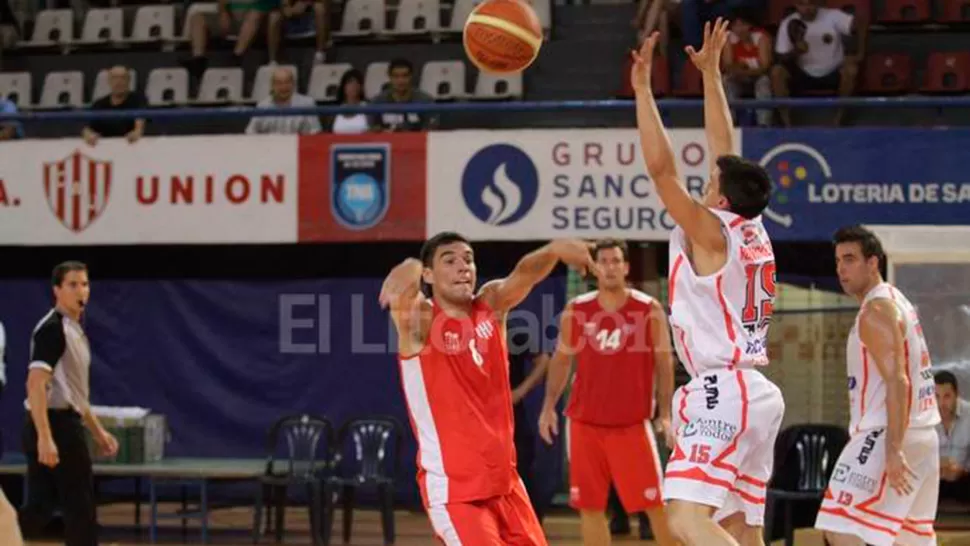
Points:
point(502, 36)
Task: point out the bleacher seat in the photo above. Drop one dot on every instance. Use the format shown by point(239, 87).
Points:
point(167, 87)
point(62, 90)
point(778, 10)
point(460, 12)
point(543, 9)
point(263, 81)
point(102, 26)
point(887, 74)
point(211, 8)
point(375, 77)
point(325, 81)
point(102, 87)
point(444, 80)
point(947, 73)
point(861, 10)
point(363, 18)
point(954, 11)
point(905, 11)
point(417, 17)
point(221, 86)
point(690, 82)
point(494, 86)
point(52, 27)
point(153, 23)
point(17, 88)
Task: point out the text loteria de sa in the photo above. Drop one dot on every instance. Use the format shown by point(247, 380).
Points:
point(543, 184)
point(204, 189)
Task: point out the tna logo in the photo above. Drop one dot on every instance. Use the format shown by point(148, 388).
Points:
point(792, 167)
point(500, 184)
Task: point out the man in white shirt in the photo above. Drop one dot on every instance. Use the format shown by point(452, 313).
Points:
point(812, 56)
point(283, 95)
point(954, 433)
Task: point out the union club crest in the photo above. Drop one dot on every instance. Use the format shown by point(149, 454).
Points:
point(77, 189)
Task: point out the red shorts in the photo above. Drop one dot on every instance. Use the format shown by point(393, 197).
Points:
point(627, 455)
point(506, 520)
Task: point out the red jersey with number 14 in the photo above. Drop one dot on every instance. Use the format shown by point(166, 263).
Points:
point(720, 321)
point(460, 405)
point(614, 361)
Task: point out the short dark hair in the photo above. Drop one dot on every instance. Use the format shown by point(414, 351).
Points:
point(745, 184)
point(604, 244)
point(431, 246)
point(400, 63)
point(870, 244)
point(944, 377)
point(62, 269)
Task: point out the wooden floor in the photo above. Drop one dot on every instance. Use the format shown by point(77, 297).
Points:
point(230, 527)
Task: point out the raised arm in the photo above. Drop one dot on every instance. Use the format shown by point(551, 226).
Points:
point(882, 337)
point(717, 116)
point(701, 225)
point(504, 294)
point(401, 292)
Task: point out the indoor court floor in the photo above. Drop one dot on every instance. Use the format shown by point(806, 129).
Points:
point(229, 527)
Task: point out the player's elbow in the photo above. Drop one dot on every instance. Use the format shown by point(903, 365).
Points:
point(37, 380)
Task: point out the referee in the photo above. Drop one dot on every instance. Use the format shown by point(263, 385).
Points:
point(58, 403)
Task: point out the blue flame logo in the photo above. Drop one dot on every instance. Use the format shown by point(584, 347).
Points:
point(500, 184)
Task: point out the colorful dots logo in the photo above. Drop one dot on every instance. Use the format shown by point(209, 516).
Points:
point(792, 166)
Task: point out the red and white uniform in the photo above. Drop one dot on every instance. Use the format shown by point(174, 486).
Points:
point(610, 405)
point(859, 501)
point(729, 412)
point(460, 405)
point(747, 52)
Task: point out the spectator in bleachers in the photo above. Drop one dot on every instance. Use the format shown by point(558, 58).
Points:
point(351, 92)
point(10, 130)
point(284, 95)
point(747, 61)
point(402, 90)
point(655, 15)
point(812, 56)
point(120, 98)
point(954, 432)
point(292, 20)
point(239, 18)
point(694, 13)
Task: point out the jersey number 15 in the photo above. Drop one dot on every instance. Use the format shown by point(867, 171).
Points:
point(759, 300)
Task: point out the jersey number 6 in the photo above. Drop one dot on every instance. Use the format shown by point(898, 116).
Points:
point(759, 295)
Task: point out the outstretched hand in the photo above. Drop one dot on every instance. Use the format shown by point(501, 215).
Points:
point(708, 59)
point(577, 254)
point(643, 63)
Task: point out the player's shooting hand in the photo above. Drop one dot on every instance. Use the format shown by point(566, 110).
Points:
point(402, 278)
point(898, 473)
point(708, 59)
point(548, 425)
point(576, 254)
point(643, 63)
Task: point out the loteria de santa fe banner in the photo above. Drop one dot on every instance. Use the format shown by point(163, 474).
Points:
point(205, 189)
point(544, 184)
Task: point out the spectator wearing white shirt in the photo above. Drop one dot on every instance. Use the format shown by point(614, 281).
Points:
point(954, 433)
point(812, 56)
point(283, 95)
point(351, 93)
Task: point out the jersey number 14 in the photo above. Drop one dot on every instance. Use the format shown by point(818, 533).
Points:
point(759, 300)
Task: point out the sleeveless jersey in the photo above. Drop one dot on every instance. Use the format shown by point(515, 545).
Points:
point(614, 361)
point(720, 321)
point(460, 407)
point(867, 390)
point(746, 52)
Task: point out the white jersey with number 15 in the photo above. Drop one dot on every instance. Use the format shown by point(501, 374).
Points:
point(720, 321)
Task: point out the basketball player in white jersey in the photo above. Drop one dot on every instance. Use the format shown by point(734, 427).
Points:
point(721, 291)
point(883, 489)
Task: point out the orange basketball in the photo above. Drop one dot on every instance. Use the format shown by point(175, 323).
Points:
point(503, 36)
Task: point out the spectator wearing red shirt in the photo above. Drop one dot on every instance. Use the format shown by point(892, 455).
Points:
point(747, 62)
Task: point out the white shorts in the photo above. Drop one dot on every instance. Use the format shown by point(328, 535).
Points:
point(859, 501)
point(726, 423)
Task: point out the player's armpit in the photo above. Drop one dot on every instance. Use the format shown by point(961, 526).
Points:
point(700, 225)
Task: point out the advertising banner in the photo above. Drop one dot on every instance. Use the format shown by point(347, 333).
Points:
point(362, 188)
point(825, 179)
point(544, 184)
point(185, 190)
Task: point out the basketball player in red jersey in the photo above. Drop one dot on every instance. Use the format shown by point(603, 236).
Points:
point(721, 291)
point(455, 374)
point(620, 340)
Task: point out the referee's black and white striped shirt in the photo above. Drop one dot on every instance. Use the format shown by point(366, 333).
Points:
point(60, 346)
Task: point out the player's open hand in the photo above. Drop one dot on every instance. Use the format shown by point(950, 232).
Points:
point(576, 254)
point(643, 63)
point(899, 474)
point(548, 425)
point(708, 59)
point(401, 279)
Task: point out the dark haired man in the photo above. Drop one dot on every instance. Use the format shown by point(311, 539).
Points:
point(722, 291)
point(884, 488)
point(621, 344)
point(455, 374)
point(954, 434)
point(58, 404)
point(400, 89)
